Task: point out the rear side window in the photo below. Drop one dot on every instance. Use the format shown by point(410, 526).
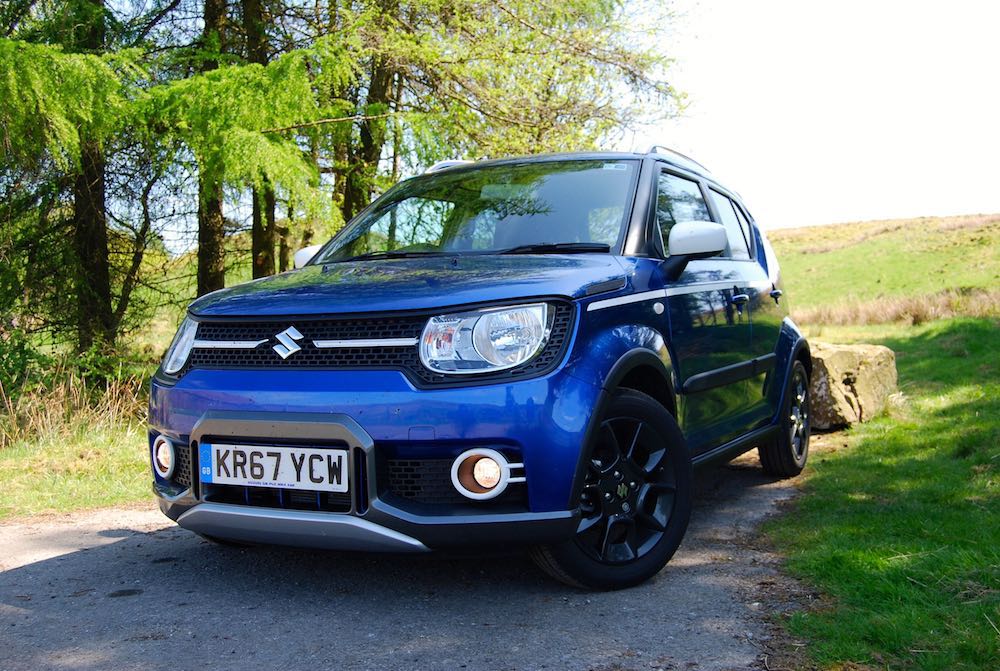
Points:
point(678, 199)
point(738, 248)
point(745, 225)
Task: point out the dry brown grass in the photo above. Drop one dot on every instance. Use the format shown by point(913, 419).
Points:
point(66, 405)
point(831, 237)
point(914, 310)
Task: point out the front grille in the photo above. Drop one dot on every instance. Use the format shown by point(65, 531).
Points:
point(424, 480)
point(429, 481)
point(404, 358)
point(274, 497)
point(182, 469)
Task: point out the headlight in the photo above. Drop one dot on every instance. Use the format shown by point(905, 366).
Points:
point(180, 348)
point(485, 340)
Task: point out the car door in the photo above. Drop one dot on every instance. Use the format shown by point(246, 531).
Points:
point(769, 307)
point(708, 321)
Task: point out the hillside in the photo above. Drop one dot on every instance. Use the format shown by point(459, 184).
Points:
point(888, 270)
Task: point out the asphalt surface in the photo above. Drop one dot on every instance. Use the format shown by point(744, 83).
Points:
point(127, 589)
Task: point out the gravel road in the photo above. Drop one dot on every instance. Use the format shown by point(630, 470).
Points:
point(127, 589)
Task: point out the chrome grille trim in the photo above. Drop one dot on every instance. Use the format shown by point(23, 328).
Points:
point(226, 344)
point(366, 342)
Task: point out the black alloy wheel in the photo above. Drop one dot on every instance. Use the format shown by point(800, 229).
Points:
point(628, 495)
point(787, 454)
point(635, 500)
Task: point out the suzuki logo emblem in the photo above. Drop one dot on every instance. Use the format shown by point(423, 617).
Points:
point(287, 346)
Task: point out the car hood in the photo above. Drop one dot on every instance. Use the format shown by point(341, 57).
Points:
point(411, 284)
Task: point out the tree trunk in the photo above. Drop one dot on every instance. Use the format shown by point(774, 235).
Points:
point(211, 224)
point(284, 249)
point(255, 29)
point(397, 148)
point(361, 172)
point(214, 33)
point(211, 238)
point(95, 317)
point(262, 233)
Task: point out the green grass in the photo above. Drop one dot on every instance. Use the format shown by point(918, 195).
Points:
point(87, 467)
point(70, 444)
point(836, 265)
point(902, 528)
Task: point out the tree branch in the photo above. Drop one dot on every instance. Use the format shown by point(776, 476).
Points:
point(171, 6)
point(323, 122)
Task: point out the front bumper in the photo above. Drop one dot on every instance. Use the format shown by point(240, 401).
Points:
point(377, 531)
point(300, 528)
point(541, 420)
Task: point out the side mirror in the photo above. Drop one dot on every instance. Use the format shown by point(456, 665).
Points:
point(690, 240)
point(304, 255)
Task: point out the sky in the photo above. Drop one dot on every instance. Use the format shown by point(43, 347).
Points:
point(824, 112)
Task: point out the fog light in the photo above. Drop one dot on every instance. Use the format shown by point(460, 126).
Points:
point(486, 473)
point(163, 457)
point(482, 473)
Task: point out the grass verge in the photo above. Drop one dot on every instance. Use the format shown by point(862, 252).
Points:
point(70, 446)
point(902, 528)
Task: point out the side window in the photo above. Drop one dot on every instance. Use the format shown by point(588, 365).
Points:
point(745, 225)
point(737, 243)
point(678, 199)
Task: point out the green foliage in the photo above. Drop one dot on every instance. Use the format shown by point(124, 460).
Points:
point(50, 99)
point(238, 120)
point(20, 362)
point(526, 77)
point(354, 97)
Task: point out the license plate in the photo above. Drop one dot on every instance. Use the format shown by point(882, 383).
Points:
point(308, 468)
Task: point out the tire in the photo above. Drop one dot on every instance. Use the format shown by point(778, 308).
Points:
point(786, 455)
point(636, 500)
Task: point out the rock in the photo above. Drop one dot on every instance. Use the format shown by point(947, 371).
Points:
point(850, 383)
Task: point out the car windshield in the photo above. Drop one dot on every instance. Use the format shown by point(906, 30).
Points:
point(530, 207)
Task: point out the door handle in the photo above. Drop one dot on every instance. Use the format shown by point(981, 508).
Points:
point(740, 299)
point(776, 294)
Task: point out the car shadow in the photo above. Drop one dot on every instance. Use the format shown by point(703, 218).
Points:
point(169, 599)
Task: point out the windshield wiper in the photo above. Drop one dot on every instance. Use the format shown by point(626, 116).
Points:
point(390, 254)
point(559, 248)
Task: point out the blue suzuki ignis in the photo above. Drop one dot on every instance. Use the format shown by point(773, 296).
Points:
point(529, 351)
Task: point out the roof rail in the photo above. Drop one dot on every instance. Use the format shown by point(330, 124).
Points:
point(444, 165)
point(654, 150)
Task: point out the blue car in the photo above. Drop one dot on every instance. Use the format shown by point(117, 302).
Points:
point(523, 352)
